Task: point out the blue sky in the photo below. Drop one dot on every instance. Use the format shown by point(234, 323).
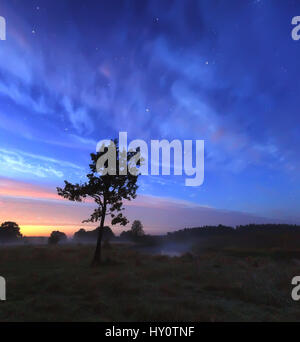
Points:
point(75, 72)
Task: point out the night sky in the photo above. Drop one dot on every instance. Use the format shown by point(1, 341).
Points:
point(73, 72)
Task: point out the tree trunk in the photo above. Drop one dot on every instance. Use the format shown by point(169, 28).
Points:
point(97, 256)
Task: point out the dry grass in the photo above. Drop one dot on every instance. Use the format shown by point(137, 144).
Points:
point(55, 283)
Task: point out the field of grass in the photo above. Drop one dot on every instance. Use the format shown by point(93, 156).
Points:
point(55, 283)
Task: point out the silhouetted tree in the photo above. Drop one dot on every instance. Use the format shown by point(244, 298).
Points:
point(80, 235)
point(108, 186)
point(9, 232)
point(137, 229)
point(89, 236)
point(56, 237)
point(126, 235)
point(107, 233)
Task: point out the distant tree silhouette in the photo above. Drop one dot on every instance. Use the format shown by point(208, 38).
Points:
point(80, 235)
point(249, 229)
point(107, 233)
point(9, 232)
point(90, 236)
point(136, 233)
point(137, 229)
point(56, 237)
point(126, 235)
point(269, 228)
point(107, 190)
point(191, 233)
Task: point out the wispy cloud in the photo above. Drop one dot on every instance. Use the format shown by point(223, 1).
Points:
point(14, 162)
point(74, 82)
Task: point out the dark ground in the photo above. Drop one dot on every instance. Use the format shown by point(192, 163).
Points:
point(219, 281)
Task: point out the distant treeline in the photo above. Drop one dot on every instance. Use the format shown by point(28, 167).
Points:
point(188, 233)
point(10, 232)
point(83, 235)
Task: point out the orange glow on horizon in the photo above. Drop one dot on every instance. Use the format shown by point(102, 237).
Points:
point(45, 231)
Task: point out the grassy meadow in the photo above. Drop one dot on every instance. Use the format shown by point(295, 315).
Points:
point(55, 283)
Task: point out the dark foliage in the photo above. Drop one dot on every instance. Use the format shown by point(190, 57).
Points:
point(91, 236)
point(205, 231)
point(137, 229)
point(107, 189)
point(270, 228)
point(10, 232)
point(188, 233)
point(57, 237)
